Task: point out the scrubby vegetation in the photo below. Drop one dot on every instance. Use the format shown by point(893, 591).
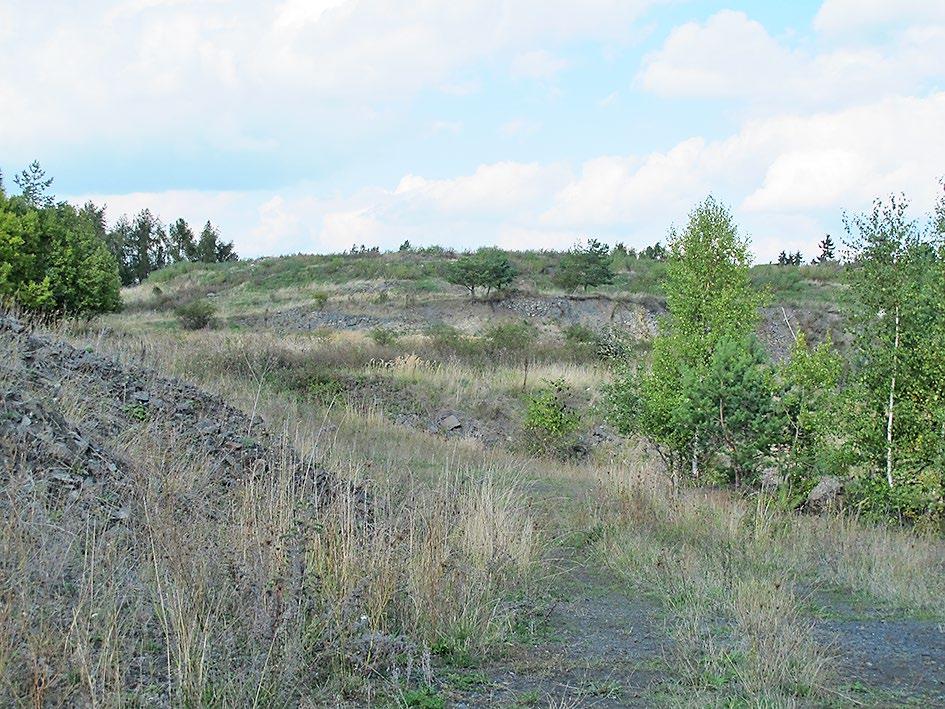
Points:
point(52, 256)
point(438, 490)
point(711, 399)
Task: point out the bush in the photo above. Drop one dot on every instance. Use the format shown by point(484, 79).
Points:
point(52, 257)
point(585, 266)
point(487, 268)
point(444, 337)
point(549, 420)
point(383, 336)
point(320, 299)
point(510, 339)
point(196, 315)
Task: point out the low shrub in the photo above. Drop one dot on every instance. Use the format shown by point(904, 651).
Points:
point(550, 421)
point(320, 299)
point(196, 315)
point(509, 340)
point(383, 336)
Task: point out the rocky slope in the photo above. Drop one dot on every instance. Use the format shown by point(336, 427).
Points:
point(65, 412)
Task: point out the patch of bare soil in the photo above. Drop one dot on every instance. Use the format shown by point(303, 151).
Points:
point(883, 660)
point(595, 646)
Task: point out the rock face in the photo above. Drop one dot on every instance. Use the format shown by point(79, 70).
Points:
point(62, 410)
point(825, 494)
point(450, 423)
point(770, 479)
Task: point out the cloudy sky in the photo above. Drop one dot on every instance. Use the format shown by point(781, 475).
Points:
point(309, 125)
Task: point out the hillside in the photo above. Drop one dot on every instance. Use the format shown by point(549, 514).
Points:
point(288, 535)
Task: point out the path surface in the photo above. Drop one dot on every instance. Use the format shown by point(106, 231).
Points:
point(888, 662)
point(599, 648)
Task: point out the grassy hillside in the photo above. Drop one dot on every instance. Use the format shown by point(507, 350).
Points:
point(473, 571)
point(389, 495)
point(424, 271)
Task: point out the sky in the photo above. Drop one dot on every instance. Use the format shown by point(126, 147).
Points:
point(313, 125)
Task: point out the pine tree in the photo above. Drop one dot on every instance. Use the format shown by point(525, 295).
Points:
point(33, 185)
point(147, 250)
point(826, 250)
point(181, 244)
point(585, 266)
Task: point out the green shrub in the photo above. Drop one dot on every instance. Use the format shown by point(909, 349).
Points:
point(196, 315)
point(444, 337)
point(550, 421)
point(320, 299)
point(488, 268)
point(585, 266)
point(510, 340)
point(324, 389)
point(384, 336)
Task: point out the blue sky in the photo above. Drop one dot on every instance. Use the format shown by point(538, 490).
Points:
point(309, 125)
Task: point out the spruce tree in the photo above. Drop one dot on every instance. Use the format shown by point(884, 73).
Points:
point(826, 250)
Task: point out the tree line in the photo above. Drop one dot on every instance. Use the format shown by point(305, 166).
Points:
point(873, 415)
point(54, 257)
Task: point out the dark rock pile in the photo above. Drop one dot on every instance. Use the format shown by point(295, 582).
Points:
point(63, 409)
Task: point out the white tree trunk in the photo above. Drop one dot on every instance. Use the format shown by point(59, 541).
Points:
point(892, 398)
point(695, 458)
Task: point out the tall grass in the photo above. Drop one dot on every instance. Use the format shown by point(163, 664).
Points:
point(270, 590)
point(737, 579)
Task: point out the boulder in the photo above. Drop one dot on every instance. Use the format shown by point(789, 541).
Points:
point(770, 479)
point(450, 423)
point(825, 494)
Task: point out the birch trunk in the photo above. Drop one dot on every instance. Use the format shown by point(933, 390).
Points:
point(892, 398)
point(695, 457)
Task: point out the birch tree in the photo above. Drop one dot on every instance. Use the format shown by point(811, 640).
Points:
point(897, 320)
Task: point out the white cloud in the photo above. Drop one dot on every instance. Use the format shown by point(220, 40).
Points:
point(537, 64)
point(454, 127)
point(490, 190)
point(125, 73)
point(352, 227)
point(771, 170)
point(519, 127)
point(733, 56)
point(609, 100)
point(843, 16)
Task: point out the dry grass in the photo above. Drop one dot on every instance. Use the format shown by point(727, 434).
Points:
point(456, 531)
point(267, 593)
point(736, 578)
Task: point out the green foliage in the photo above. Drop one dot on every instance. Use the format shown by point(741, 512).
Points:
point(549, 420)
point(196, 315)
point(712, 312)
point(656, 252)
point(52, 257)
point(827, 250)
point(212, 249)
point(896, 424)
point(581, 340)
point(320, 299)
point(731, 405)
point(510, 340)
point(384, 336)
point(444, 337)
point(423, 698)
point(33, 185)
point(585, 266)
point(786, 258)
point(812, 403)
point(181, 243)
point(487, 268)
